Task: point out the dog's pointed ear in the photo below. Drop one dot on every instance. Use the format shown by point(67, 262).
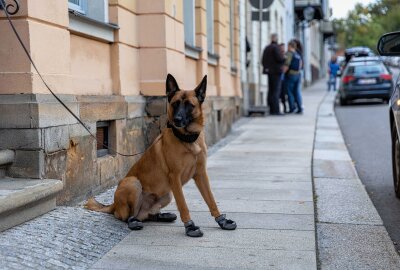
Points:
point(171, 86)
point(201, 90)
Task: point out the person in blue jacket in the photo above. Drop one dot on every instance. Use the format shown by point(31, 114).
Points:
point(333, 68)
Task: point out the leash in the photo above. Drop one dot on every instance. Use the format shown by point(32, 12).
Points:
point(2, 4)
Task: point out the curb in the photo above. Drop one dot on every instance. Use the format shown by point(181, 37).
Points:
point(350, 233)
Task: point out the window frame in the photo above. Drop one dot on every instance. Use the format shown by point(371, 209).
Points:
point(210, 26)
point(81, 8)
point(189, 22)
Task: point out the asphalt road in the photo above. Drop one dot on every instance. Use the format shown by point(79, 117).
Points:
point(366, 130)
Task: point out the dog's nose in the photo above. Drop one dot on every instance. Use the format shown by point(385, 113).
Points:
point(178, 118)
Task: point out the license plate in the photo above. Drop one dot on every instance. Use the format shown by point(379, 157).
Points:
point(366, 81)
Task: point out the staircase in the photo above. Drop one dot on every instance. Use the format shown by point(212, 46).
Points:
point(23, 199)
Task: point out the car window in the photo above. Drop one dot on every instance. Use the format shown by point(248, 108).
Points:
point(361, 70)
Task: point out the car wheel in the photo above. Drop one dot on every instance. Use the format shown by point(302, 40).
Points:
point(343, 101)
point(396, 160)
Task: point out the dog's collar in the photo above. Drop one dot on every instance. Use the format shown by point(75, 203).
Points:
point(188, 138)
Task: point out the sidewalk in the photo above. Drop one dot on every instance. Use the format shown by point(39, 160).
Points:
point(262, 176)
point(262, 179)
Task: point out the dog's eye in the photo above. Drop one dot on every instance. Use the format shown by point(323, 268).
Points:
point(176, 104)
point(189, 106)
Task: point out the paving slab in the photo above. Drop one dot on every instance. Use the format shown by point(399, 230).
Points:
point(251, 206)
point(344, 201)
point(263, 169)
point(360, 247)
point(238, 239)
point(230, 187)
point(330, 154)
point(160, 257)
point(256, 194)
point(330, 145)
point(250, 221)
point(334, 169)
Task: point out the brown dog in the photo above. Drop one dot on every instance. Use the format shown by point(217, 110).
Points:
point(176, 156)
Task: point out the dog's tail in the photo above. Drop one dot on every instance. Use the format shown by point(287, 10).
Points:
point(94, 205)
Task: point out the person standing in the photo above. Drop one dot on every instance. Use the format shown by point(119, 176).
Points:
point(283, 95)
point(272, 61)
point(299, 50)
point(333, 68)
point(292, 68)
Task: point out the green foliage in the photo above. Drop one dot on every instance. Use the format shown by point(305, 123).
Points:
point(366, 23)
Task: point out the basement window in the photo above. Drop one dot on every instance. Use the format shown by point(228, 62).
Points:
point(103, 138)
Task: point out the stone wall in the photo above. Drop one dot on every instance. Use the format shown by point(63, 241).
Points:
point(49, 143)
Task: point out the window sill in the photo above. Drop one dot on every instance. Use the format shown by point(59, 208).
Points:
point(83, 25)
point(213, 59)
point(192, 51)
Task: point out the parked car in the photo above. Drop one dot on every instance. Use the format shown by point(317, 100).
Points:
point(351, 53)
point(364, 78)
point(389, 45)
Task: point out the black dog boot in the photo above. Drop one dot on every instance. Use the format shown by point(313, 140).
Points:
point(225, 224)
point(162, 217)
point(134, 224)
point(192, 230)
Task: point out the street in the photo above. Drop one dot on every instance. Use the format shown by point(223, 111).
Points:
point(366, 130)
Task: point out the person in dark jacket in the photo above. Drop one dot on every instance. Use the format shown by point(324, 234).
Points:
point(272, 61)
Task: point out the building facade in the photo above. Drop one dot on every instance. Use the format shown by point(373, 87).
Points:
point(108, 60)
point(280, 21)
point(312, 35)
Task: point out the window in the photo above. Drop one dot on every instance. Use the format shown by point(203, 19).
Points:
point(93, 9)
point(210, 26)
point(78, 5)
point(189, 22)
point(189, 26)
point(103, 138)
point(90, 18)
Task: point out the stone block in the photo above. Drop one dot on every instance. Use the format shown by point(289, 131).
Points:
point(156, 106)
point(135, 106)
point(152, 129)
point(81, 168)
point(20, 139)
point(56, 165)
point(27, 164)
point(78, 130)
point(50, 112)
point(16, 116)
point(55, 138)
point(107, 170)
point(134, 137)
point(102, 108)
point(36, 111)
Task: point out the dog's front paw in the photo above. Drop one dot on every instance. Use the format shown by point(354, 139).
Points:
point(134, 224)
point(192, 230)
point(225, 224)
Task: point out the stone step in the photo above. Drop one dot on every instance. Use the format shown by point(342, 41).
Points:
point(25, 199)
